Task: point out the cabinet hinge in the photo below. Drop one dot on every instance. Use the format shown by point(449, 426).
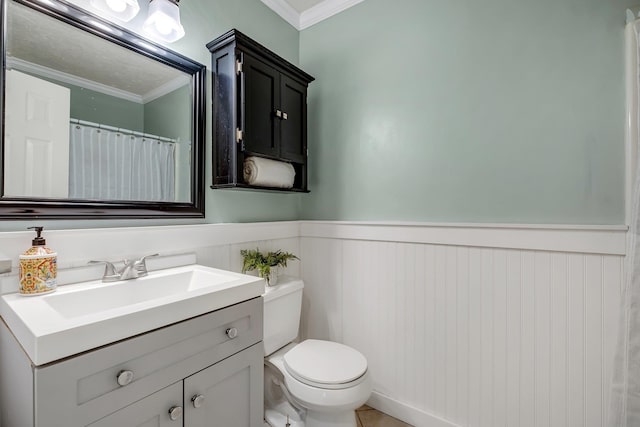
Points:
point(238, 135)
point(238, 66)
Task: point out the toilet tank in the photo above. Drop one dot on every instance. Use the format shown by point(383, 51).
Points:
point(282, 306)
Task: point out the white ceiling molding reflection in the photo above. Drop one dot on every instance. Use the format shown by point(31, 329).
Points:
point(310, 16)
point(60, 76)
point(40, 70)
point(166, 88)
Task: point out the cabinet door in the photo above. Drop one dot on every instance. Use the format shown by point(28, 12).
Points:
point(261, 86)
point(152, 411)
point(293, 133)
point(227, 394)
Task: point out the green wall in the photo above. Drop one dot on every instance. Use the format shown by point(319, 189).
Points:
point(97, 107)
point(466, 111)
point(170, 115)
point(434, 110)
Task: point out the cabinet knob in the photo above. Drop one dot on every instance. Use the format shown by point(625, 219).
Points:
point(285, 116)
point(231, 332)
point(278, 113)
point(124, 377)
point(197, 400)
point(175, 412)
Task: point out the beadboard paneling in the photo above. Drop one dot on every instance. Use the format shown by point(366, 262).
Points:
point(470, 336)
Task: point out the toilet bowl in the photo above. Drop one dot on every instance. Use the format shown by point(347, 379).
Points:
point(314, 383)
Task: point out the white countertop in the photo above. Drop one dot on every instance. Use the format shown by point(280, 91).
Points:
point(87, 315)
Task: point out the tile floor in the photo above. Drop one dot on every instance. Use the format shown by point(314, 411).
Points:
point(369, 417)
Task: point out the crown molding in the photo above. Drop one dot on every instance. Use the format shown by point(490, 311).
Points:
point(30, 67)
point(311, 16)
point(39, 70)
point(324, 10)
point(166, 88)
point(285, 10)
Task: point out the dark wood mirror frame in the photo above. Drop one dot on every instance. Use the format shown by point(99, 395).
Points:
point(26, 208)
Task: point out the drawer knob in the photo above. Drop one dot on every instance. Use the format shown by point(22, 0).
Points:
point(197, 400)
point(175, 412)
point(125, 377)
point(231, 332)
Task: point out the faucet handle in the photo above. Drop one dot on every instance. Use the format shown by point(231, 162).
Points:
point(110, 273)
point(147, 256)
point(141, 265)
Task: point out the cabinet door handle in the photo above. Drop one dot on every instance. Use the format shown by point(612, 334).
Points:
point(124, 378)
point(197, 400)
point(285, 116)
point(231, 332)
point(278, 114)
point(175, 412)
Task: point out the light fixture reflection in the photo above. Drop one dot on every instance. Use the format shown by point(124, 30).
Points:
point(163, 22)
point(123, 10)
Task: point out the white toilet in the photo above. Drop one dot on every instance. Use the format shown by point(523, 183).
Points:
point(311, 384)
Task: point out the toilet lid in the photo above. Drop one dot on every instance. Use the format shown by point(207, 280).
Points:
point(325, 362)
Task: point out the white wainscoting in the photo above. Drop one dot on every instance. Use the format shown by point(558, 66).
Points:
point(471, 325)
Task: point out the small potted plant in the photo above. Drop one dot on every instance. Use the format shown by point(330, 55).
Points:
point(267, 264)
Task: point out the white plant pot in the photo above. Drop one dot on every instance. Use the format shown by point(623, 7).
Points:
point(272, 278)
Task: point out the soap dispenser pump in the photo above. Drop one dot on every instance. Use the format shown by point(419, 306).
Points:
point(38, 267)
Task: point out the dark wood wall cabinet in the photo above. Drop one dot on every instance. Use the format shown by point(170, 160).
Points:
point(259, 109)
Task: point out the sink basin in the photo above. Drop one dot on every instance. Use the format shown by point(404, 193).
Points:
point(169, 283)
point(87, 315)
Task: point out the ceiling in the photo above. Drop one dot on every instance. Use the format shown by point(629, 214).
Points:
point(305, 13)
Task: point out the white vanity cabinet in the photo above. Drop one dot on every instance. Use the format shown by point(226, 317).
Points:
point(207, 370)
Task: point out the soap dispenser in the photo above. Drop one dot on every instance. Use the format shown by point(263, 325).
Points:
point(38, 267)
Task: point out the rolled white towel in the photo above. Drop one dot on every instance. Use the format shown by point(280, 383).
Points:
point(268, 173)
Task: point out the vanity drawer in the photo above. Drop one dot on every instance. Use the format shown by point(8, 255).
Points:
point(84, 388)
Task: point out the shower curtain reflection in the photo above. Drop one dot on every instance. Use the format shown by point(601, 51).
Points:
point(114, 164)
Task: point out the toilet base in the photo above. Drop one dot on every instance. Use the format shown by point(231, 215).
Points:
point(274, 418)
point(319, 419)
point(323, 419)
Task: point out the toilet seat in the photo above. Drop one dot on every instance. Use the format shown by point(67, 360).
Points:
point(325, 364)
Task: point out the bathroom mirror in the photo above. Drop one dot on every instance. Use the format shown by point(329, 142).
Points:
point(98, 122)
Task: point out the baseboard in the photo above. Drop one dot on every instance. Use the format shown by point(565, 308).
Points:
point(406, 413)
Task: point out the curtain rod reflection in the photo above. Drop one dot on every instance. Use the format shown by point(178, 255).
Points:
point(123, 131)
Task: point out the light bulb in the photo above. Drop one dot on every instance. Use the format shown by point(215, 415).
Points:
point(124, 10)
point(163, 21)
point(164, 24)
point(117, 5)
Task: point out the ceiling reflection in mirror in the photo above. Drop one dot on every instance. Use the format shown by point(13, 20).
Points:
point(90, 120)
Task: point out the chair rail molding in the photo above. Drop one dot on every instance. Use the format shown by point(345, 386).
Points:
point(598, 239)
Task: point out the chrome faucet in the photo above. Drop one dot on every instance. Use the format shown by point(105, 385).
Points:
point(130, 270)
